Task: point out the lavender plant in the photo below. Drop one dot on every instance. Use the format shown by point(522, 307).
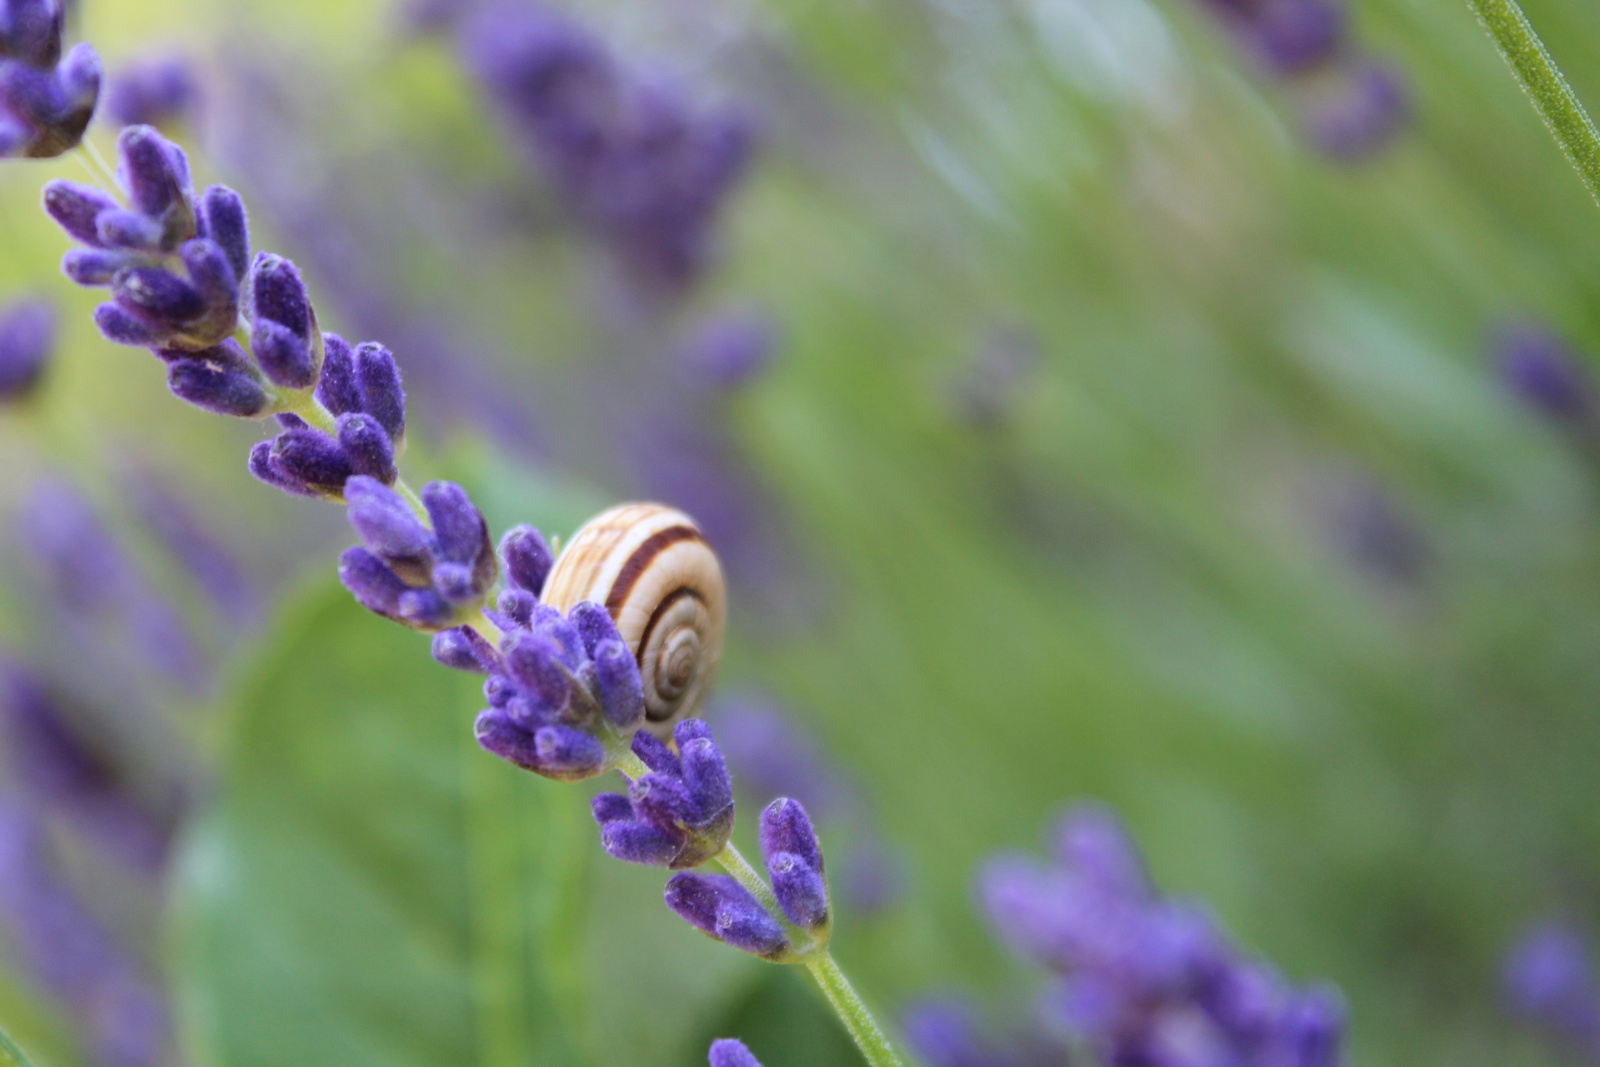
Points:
point(238, 336)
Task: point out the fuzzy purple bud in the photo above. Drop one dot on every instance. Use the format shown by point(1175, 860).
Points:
point(1548, 980)
point(378, 380)
point(222, 219)
point(369, 449)
point(220, 380)
point(27, 338)
point(152, 92)
point(336, 387)
point(156, 174)
point(1360, 113)
point(556, 752)
point(730, 1052)
point(76, 209)
point(721, 908)
point(794, 860)
point(464, 649)
point(686, 801)
point(618, 686)
point(526, 557)
point(387, 527)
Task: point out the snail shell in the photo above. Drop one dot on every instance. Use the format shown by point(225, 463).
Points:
point(651, 568)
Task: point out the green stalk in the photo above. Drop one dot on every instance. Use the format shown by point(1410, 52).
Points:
point(852, 1011)
point(1557, 104)
point(10, 1054)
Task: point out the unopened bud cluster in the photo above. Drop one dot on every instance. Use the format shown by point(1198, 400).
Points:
point(46, 99)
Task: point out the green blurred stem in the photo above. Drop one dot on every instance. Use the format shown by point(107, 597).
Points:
point(10, 1054)
point(852, 1010)
point(1558, 105)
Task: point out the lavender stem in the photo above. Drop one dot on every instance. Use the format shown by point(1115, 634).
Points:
point(853, 1012)
point(1543, 81)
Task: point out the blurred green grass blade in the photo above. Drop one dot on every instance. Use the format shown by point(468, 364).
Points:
point(10, 1054)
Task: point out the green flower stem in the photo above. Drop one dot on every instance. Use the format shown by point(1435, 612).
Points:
point(10, 1054)
point(1558, 105)
point(852, 1011)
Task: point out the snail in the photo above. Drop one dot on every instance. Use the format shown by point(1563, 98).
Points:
point(651, 568)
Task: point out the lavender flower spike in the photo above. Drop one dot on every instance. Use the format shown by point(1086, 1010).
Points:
point(151, 92)
point(680, 814)
point(1548, 981)
point(564, 691)
point(721, 908)
point(27, 338)
point(428, 580)
point(730, 1052)
point(45, 100)
point(794, 862)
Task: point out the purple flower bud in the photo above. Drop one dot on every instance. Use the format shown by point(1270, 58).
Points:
point(560, 753)
point(260, 465)
point(1311, 1031)
point(794, 860)
point(336, 387)
point(387, 527)
point(460, 533)
point(92, 266)
point(152, 92)
point(222, 219)
point(158, 296)
point(277, 294)
point(730, 1052)
point(128, 230)
point(731, 349)
point(1092, 841)
point(534, 662)
point(123, 327)
point(76, 208)
point(219, 380)
point(1360, 113)
point(378, 379)
point(464, 649)
point(654, 753)
point(527, 558)
point(371, 582)
point(721, 908)
point(516, 605)
point(566, 752)
point(610, 807)
point(27, 338)
point(1292, 36)
point(30, 31)
point(1548, 980)
point(943, 1033)
point(618, 686)
point(46, 105)
point(283, 356)
point(156, 174)
point(312, 459)
point(370, 451)
point(1545, 373)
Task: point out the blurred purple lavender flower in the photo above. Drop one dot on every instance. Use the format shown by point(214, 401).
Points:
point(1370, 526)
point(27, 339)
point(89, 575)
point(680, 814)
point(728, 350)
point(187, 539)
point(73, 957)
point(988, 390)
point(1548, 982)
point(631, 157)
point(1542, 370)
point(52, 764)
point(46, 99)
point(1141, 978)
point(155, 91)
point(943, 1032)
point(1287, 37)
point(730, 1052)
point(1355, 112)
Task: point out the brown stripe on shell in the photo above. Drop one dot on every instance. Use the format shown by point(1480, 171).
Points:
point(641, 559)
point(650, 628)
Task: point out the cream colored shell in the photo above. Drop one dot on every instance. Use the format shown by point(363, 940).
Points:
point(652, 569)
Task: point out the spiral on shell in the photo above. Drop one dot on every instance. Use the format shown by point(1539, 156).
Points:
point(651, 568)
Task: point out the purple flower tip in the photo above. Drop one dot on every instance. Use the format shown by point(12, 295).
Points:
point(730, 1052)
point(46, 99)
point(794, 861)
point(721, 908)
point(681, 813)
point(151, 92)
point(27, 338)
point(1548, 980)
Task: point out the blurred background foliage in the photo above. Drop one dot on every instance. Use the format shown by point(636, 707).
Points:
point(1115, 444)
